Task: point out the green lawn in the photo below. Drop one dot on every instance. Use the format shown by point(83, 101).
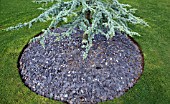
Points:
point(152, 88)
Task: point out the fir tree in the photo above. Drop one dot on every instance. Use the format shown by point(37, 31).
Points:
point(90, 16)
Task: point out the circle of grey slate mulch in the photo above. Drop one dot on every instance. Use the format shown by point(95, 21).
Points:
point(59, 71)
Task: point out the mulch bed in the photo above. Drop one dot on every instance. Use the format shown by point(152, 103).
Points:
point(59, 71)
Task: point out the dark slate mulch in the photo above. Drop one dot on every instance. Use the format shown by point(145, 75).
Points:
point(59, 71)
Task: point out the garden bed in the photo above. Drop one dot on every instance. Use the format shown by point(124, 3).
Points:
point(59, 71)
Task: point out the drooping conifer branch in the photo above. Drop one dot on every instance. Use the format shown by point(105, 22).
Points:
point(91, 16)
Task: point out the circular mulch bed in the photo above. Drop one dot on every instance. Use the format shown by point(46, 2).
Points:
point(59, 71)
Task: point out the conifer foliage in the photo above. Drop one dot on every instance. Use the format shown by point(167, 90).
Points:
point(91, 16)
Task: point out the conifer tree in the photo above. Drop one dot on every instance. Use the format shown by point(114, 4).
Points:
point(91, 16)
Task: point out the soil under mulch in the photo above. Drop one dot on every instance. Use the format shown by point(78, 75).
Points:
point(59, 71)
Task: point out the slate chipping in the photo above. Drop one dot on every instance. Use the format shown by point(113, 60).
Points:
point(59, 71)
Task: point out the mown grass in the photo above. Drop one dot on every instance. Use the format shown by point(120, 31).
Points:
point(152, 88)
